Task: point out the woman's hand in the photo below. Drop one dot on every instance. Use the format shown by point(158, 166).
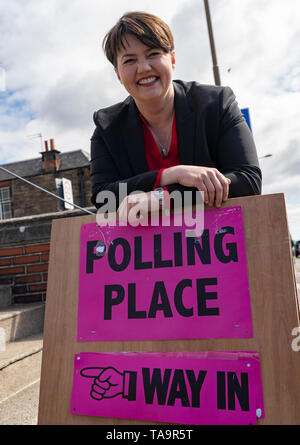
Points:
point(135, 207)
point(210, 181)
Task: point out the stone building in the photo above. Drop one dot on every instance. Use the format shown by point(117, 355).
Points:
point(18, 199)
point(26, 215)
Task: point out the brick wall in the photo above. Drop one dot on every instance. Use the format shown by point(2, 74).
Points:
point(25, 268)
point(24, 254)
point(27, 200)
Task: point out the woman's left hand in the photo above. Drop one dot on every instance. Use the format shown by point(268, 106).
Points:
point(135, 207)
point(213, 184)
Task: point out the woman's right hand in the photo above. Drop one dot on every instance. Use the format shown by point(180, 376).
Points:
point(210, 181)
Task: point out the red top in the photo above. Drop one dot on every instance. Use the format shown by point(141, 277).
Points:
point(154, 159)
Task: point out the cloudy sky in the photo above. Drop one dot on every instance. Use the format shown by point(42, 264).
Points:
point(53, 73)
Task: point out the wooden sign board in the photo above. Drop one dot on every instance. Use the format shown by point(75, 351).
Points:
point(274, 307)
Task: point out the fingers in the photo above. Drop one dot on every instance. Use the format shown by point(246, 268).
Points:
point(209, 187)
point(91, 372)
point(99, 389)
point(100, 384)
point(125, 207)
point(222, 189)
point(214, 185)
point(135, 207)
point(226, 193)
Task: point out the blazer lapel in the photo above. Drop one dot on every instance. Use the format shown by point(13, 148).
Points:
point(133, 140)
point(185, 126)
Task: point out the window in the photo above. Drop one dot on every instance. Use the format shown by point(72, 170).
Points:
point(5, 203)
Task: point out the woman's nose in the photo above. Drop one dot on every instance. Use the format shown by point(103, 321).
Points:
point(143, 65)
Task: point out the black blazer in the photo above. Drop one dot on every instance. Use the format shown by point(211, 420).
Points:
point(211, 132)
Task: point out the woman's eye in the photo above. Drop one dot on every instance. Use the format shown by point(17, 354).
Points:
point(128, 61)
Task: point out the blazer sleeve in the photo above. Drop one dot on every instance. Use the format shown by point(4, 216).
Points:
point(106, 176)
point(233, 150)
point(236, 155)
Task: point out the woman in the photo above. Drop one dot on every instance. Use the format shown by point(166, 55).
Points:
point(167, 134)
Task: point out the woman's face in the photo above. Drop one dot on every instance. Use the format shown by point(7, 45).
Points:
point(145, 73)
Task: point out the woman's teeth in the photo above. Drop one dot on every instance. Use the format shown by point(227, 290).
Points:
point(148, 80)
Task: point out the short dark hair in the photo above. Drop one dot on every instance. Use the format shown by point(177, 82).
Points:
point(147, 28)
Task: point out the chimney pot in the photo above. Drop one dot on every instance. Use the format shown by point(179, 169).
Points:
point(50, 158)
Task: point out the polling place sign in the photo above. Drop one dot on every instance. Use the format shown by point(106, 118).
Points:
point(152, 283)
point(201, 388)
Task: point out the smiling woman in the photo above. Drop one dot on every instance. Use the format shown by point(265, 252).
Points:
point(167, 135)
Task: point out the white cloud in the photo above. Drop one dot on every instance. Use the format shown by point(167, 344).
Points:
point(2, 79)
point(56, 74)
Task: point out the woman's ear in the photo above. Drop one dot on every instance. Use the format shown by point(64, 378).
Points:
point(118, 75)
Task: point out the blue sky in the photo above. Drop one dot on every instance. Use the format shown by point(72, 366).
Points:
point(53, 74)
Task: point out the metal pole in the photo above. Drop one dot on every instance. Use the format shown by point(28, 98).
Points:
point(46, 191)
point(212, 45)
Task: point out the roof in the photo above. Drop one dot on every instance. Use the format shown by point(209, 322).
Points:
point(33, 167)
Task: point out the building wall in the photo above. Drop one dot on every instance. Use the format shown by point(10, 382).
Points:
point(24, 254)
point(25, 268)
point(27, 200)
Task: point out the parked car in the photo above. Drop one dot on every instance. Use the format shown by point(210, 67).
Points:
point(297, 248)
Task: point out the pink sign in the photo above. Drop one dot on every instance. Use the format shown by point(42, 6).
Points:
point(205, 388)
point(151, 283)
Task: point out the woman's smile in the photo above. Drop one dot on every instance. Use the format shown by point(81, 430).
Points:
point(147, 81)
point(145, 72)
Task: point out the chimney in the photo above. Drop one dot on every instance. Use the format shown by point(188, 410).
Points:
point(50, 158)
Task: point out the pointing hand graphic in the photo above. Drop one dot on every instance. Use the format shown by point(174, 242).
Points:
point(109, 382)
